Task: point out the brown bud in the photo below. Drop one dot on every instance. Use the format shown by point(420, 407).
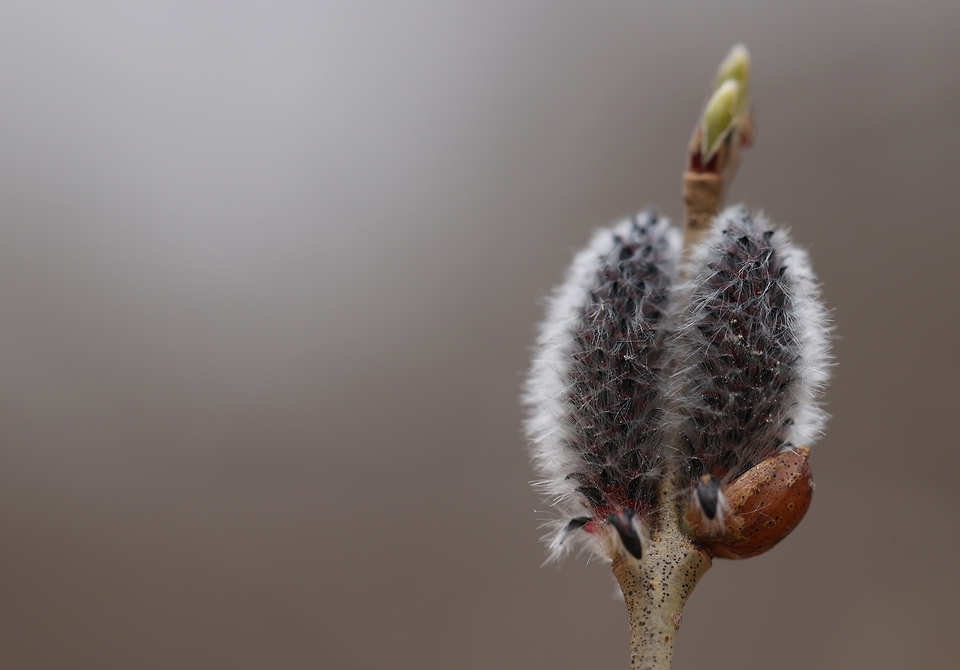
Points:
point(765, 504)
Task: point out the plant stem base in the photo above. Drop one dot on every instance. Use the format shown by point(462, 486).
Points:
point(655, 591)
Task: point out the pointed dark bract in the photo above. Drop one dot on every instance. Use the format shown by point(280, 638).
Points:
point(708, 494)
point(622, 520)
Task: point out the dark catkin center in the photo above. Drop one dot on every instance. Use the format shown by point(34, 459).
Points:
point(742, 372)
point(616, 372)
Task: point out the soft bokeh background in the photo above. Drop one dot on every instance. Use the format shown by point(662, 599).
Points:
point(269, 277)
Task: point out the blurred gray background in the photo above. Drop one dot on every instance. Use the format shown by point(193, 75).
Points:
point(269, 278)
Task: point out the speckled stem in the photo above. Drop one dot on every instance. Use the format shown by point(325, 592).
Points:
point(656, 589)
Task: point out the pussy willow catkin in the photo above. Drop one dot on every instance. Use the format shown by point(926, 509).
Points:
point(649, 366)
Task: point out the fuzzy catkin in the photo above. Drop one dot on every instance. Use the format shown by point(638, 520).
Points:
point(750, 349)
point(596, 388)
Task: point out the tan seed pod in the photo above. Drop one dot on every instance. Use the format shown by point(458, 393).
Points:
point(765, 504)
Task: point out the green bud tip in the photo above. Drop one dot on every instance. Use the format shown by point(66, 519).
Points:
point(720, 116)
point(735, 67)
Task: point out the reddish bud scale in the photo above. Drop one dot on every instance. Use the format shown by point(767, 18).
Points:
point(766, 504)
